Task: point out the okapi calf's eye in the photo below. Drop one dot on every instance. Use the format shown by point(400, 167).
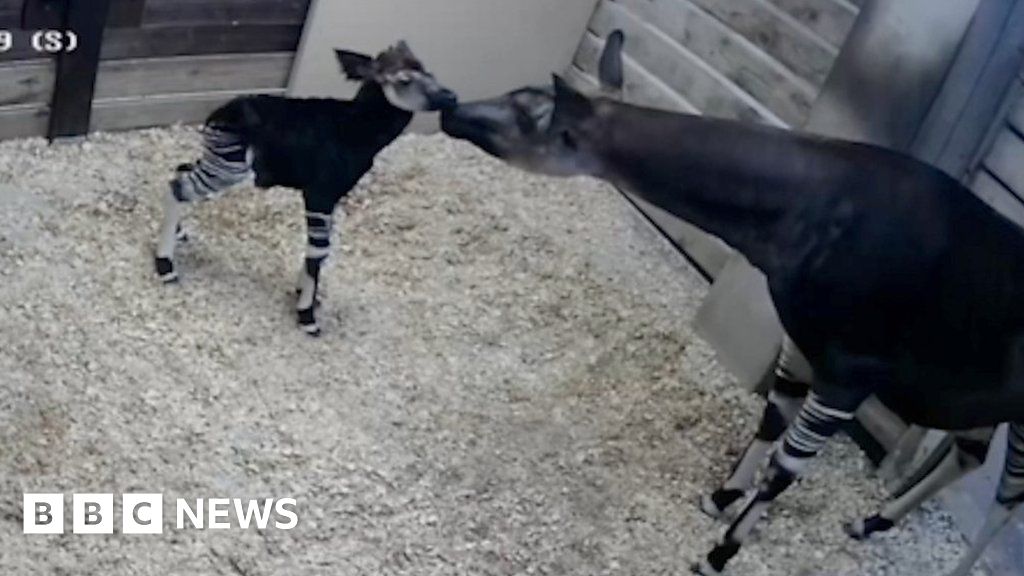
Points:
point(319, 146)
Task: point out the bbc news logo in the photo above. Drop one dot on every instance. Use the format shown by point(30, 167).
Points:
point(144, 513)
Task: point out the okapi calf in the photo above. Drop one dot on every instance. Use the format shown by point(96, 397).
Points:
point(891, 277)
point(321, 147)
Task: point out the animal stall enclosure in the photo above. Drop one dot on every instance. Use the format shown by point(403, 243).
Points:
point(517, 374)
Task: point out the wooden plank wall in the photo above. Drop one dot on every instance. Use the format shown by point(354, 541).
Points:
point(162, 61)
point(754, 60)
point(26, 80)
point(999, 176)
point(189, 56)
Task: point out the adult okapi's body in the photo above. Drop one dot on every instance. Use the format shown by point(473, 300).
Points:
point(891, 277)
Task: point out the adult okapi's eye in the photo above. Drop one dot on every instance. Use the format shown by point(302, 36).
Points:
point(524, 120)
point(569, 140)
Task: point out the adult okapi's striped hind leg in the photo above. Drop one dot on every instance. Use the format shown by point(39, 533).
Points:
point(964, 452)
point(225, 163)
point(792, 383)
point(1008, 496)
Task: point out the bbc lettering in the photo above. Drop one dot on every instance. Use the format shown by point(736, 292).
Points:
point(143, 513)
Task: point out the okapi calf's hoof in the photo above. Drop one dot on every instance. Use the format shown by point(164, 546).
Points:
point(721, 504)
point(704, 568)
point(862, 529)
point(165, 270)
point(308, 324)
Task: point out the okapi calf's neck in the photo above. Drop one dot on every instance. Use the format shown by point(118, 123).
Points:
point(890, 277)
point(319, 146)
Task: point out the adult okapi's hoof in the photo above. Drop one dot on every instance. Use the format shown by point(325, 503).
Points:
point(862, 529)
point(720, 504)
point(165, 270)
point(308, 324)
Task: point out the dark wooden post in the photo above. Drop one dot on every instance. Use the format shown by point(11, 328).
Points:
point(76, 71)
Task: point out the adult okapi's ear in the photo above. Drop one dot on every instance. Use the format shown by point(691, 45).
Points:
point(609, 69)
point(569, 102)
point(356, 66)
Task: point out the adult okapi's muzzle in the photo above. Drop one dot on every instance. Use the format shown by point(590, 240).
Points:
point(478, 122)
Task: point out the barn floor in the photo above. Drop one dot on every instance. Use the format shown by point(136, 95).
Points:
point(507, 384)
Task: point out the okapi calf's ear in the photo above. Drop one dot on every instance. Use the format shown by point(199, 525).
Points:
point(609, 69)
point(356, 66)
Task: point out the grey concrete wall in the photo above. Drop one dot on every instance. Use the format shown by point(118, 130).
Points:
point(477, 47)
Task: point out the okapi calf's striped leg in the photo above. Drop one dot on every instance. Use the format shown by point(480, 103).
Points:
point(793, 377)
point(319, 226)
point(1008, 496)
point(965, 453)
point(819, 418)
point(225, 163)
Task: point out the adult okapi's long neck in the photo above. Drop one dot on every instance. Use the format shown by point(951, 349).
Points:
point(751, 186)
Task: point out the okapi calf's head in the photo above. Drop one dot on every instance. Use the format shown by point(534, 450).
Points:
point(548, 130)
point(401, 76)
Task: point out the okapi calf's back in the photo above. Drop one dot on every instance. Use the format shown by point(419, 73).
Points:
point(892, 278)
point(321, 147)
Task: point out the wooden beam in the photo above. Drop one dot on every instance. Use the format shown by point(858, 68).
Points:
point(141, 112)
point(234, 12)
point(158, 41)
point(76, 71)
point(189, 74)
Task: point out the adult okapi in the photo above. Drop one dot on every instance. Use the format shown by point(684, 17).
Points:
point(891, 277)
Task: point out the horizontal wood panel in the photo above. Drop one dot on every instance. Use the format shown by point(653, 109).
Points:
point(225, 11)
point(128, 113)
point(751, 70)
point(678, 68)
point(28, 82)
point(832, 20)
point(996, 195)
point(23, 121)
point(640, 87)
point(190, 74)
point(777, 34)
point(159, 41)
point(1006, 160)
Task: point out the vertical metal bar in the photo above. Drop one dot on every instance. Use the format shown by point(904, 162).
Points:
point(71, 107)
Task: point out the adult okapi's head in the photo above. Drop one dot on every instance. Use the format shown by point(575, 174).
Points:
point(401, 76)
point(550, 130)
